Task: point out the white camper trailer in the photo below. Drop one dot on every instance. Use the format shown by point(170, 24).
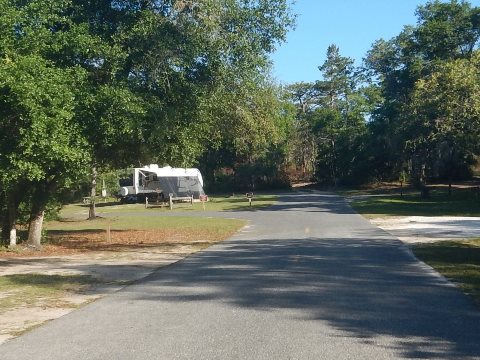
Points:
point(159, 182)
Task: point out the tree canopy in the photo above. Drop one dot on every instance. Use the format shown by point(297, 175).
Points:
point(88, 86)
point(104, 84)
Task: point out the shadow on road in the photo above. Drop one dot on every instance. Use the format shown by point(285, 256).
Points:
point(309, 202)
point(313, 202)
point(333, 281)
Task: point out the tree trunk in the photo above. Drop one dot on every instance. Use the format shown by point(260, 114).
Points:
point(93, 192)
point(40, 199)
point(424, 190)
point(12, 221)
point(35, 230)
point(5, 228)
point(449, 186)
point(11, 201)
point(252, 175)
point(234, 168)
point(334, 164)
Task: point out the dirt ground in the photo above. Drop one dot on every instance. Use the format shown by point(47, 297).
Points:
point(112, 269)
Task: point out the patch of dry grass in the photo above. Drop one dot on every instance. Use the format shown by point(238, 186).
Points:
point(22, 290)
point(126, 233)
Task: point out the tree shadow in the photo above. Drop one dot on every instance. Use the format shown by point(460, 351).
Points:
point(314, 202)
point(101, 204)
point(309, 202)
point(334, 281)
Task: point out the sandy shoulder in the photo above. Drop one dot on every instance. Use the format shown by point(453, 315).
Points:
point(112, 270)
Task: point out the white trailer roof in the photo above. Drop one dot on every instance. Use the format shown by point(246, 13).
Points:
point(169, 171)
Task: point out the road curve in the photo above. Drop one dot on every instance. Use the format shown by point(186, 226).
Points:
point(307, 279)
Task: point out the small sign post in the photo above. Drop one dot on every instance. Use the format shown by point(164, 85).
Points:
point(203, 199)
point(158, 191)
point(249, 196)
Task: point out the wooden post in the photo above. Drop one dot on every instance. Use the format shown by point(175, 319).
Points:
point(109, 236)
point(146, 202)
point(170, 196)
point(203, 199)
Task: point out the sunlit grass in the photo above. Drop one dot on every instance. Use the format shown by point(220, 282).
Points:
point(120, 232)
point(463, 202)
point(456, 260)
point(216, 203)
point(133, 222)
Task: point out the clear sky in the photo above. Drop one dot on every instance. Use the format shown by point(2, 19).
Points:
point(353, 25)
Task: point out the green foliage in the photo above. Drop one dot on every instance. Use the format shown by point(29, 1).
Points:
point(338, 79)
point(251, 136)
point(446, 30)
point(331, 122)
point(42, 148)
point(120, 83)
point(426, 75)
point(445, 107)
point(39, 138)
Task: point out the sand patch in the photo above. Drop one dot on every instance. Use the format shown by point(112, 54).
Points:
point(421, 229)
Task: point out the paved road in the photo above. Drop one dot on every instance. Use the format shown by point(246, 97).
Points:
point(309, 279)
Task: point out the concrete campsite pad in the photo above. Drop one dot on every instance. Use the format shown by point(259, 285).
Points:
point(420, 229)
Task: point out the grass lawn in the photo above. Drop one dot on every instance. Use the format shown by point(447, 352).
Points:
point(215, 203)
point(129, 222)
point(131, 225)
point(456, 260)
point(40, 290)
point(463, 202)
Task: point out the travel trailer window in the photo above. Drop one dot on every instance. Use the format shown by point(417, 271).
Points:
point(126, 181)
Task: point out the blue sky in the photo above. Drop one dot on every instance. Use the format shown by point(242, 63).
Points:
point(353, 25)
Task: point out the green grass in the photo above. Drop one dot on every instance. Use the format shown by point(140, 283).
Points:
point(136, 217)
point(216, 203)
point(237, 203)
point(129, 222)
point(39, 289)
point(133, 227)
point(384, 188)
point(463, 202)
point(456, 260)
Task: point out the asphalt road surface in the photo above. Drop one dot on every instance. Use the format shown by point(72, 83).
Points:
point(308, 279)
